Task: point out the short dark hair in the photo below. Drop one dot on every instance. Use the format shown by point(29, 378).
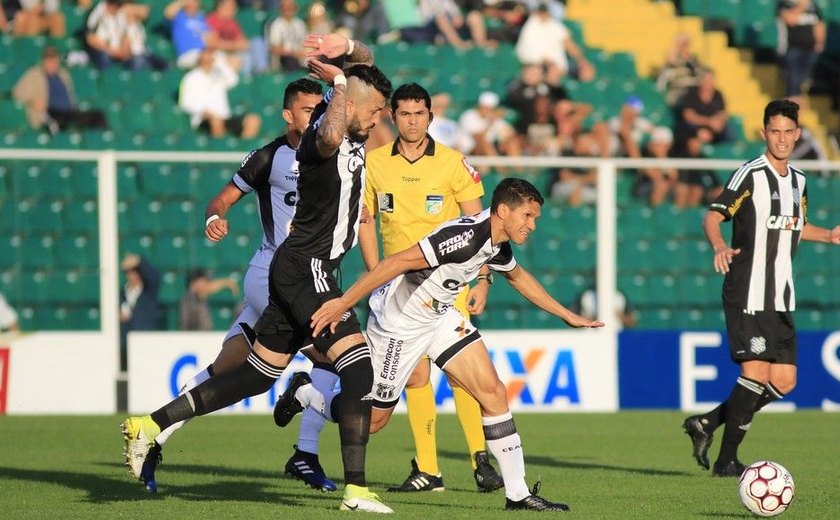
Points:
point(512, 192)
point(372, 76)
point(413, 92)
point(300, 86)
point(195, 274)
point(781, 107)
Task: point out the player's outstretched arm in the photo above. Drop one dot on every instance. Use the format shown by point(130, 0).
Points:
point(821, 234)
point(216, 228)
point(528, 286)
point(330, 312)
point(335, 45)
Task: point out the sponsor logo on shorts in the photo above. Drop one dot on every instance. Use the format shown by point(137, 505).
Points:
point(385, 392)
point(758, 345)
point(392, 359)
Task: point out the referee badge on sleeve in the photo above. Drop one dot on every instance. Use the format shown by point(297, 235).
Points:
point(434, 204)
point(385, 201)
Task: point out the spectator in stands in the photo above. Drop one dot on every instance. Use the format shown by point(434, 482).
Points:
point(140, 307)
point(318, 20)
point(577, 185)
point(250, 54)
point(680, 72)
point(569, 118)
point(694, 187)
point(539, 130)
point(443, 21)
point(8, 316)
point(5, 26)
point(655, 185)
point(366, 20)
point(204, 96)
point(802, 35)
point(587, 306)
point(702, 114)
point(190, 31)
point(808, 147)
point(193, 310)
point(628, 129)
point(547, 42)
point(503, 18)
point(39, 16)
point(485, 130)
point(443, 129)
point(522, 92)
point(285, 38)
point(115, 33)
point(46, 90)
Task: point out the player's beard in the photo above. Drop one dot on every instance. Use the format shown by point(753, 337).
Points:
point(354, 130)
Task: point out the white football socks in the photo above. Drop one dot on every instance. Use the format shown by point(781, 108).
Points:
point(511, 459)
point(317, 399)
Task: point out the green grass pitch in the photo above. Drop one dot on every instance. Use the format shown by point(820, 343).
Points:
point(623, 465)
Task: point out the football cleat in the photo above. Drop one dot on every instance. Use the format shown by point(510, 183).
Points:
point(419, 481)
point(357, 498)
point(287, 405)
point(733, 468)
point(304, 466)
point(139, 434)
point(147, 474)
point(700, 440)
point(533, 502)
point(485, 474)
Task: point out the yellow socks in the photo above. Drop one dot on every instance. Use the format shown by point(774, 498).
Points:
point(422, 416)
point(469, 414)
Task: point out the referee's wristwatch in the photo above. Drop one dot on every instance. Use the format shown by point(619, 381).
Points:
point(486, 277)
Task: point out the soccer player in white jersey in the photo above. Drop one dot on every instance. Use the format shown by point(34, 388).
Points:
point(271, 173)
point(413, 315)
point(767, 201)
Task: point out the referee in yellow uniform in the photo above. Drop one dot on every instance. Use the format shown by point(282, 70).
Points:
point(413, 185)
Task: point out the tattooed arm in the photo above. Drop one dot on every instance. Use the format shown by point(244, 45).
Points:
point(333, 123)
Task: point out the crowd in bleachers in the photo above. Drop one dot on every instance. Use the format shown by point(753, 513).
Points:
point(510, 77)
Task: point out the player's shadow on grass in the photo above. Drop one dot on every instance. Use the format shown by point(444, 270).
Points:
point(539, 460)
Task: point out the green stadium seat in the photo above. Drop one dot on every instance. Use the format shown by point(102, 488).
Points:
point(12, 116)
point(86, 84)
point(84, 181)
point(664, 289)
point(172, 288)
point(36, 252)
point(699, 289)
point(81, 216)
point(130, 242)
point(72, 287)
point(172, 253)
point(84, 317)
point(180, 215)
point(42, 218)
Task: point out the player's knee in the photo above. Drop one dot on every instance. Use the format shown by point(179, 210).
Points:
point(785, 385)
point(377, 422)
point(419, 377)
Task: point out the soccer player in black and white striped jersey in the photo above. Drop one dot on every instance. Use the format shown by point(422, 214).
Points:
point(767, 201)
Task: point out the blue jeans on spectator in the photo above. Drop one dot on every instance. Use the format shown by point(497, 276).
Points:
point(255, 59)
point(798, 63)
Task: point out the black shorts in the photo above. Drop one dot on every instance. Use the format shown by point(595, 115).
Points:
point(297, 286)
point(762, 335)
point(233, 125)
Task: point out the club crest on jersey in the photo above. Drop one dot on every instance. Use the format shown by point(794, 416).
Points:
point(434, 204)
point(385, 392)
point(476, 176)
point(758, 345)
point(785, 222)
point(385, 201)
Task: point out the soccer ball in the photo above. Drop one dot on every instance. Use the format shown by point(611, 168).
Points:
point(766, 488)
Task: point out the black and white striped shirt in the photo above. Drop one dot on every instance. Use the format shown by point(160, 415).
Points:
point(326, 222)
point(768, 210)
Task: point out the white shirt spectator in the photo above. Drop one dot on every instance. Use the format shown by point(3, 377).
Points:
point(107, 26)
point(205, 91)
point(543, 39)
point(8, 316)
point(286, 33)
point(484, 119)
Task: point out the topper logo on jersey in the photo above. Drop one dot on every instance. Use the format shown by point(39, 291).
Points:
point(785, 222)
point(455, 243)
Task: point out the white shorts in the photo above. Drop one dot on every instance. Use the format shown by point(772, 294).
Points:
point(395, 352)
point(256, 299)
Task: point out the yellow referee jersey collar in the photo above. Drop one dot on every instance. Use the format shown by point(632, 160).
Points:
point(430, 146)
